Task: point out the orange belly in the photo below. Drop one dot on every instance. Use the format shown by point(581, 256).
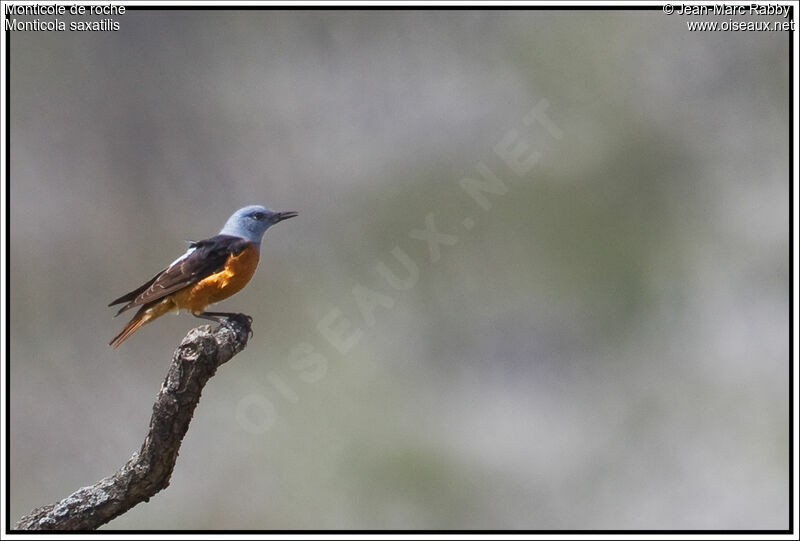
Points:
point(221, 285)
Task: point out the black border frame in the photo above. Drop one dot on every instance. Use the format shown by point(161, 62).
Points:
point(355, 6)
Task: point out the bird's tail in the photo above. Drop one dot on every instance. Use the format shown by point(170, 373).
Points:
point(144, 315)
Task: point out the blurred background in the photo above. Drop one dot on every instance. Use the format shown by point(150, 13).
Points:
point(607, 346)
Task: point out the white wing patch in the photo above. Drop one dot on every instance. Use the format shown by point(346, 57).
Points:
point(184, 256)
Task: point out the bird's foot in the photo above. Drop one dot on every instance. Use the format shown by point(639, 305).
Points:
point(227, 318)
point(242, 319)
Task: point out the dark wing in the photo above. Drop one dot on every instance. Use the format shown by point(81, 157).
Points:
point(204, 258)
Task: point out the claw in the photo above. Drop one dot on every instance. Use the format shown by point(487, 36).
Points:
point(225, 318)
point(245, 321)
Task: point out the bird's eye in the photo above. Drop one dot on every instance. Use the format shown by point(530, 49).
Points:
point(259, 215)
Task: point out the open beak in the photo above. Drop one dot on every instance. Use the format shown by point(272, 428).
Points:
point(284, 215)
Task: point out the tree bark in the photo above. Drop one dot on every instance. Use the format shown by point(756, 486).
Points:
point(148, 471)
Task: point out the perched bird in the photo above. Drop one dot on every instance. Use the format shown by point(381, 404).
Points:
point(211, 270)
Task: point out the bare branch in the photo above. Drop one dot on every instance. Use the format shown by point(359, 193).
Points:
point(197, 358)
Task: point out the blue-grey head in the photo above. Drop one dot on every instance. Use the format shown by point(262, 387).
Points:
point(252, 221)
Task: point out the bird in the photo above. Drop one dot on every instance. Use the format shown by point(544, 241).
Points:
point(211, 270)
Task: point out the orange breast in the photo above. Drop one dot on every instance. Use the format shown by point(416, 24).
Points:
point(221, 285)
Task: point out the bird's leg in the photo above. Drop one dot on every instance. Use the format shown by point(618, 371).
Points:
point(223, 318)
